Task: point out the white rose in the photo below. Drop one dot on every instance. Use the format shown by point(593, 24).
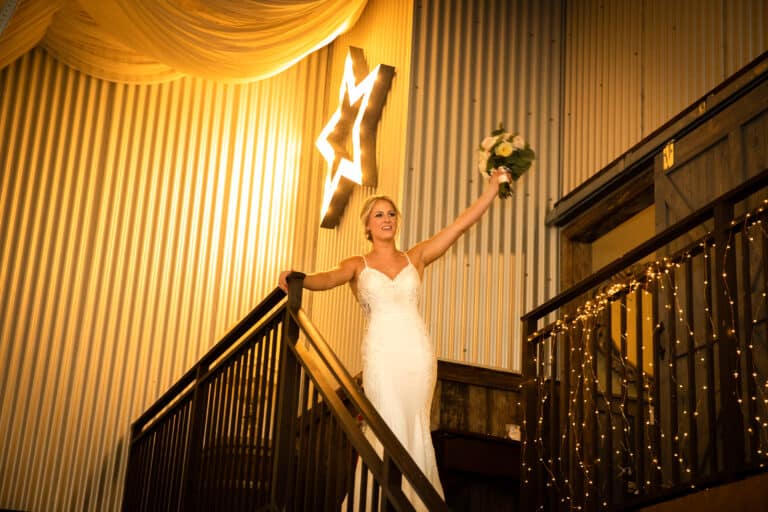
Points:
point(488, 142)
point(482, 161)
point(518, 142)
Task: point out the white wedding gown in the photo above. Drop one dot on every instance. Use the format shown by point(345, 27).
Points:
point(399, 364)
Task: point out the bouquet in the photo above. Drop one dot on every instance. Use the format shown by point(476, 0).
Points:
point(507, 150)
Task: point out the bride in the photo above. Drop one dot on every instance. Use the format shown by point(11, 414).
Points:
point(399, 363)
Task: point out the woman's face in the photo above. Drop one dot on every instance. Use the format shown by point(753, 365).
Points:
point(382, 221)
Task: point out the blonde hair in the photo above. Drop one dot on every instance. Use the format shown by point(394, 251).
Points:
point(365, 211)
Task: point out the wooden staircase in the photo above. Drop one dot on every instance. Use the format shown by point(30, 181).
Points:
point(267, 421)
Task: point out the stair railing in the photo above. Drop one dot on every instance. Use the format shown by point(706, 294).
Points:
point(269, 420)
point(313, 379)
point(651, 380)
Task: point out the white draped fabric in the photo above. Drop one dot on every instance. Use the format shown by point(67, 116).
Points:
point(140, 41)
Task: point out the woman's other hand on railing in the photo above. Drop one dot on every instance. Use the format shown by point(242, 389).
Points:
point(282, 281)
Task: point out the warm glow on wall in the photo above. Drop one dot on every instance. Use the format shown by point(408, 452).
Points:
point(348, 140)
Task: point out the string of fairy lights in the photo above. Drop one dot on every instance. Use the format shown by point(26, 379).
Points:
point(687, 320)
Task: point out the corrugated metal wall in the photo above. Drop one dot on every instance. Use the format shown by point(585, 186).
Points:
point(474, 65)
point(137, 224)
point(631, 66)
point(384, 32)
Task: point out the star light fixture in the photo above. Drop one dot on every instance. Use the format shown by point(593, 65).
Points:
point(348, 141)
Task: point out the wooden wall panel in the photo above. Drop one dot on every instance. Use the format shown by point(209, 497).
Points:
point(712, 159)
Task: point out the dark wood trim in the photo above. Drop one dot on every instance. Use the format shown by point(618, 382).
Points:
point(461, 450)
point(616, 207)
point(478, 376)
point(639, 158)
point(694, 219)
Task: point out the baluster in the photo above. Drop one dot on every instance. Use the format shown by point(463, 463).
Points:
point(554, 421)
point(300, 484)
point(163, 458)
point(732, 421)
point(313, 463)
point(528, 498)
point(260, 407)
point(606, 463)
point(363, 489)
point(237, 452)
point(672, 343)
point(593, 423)
point(287, 399)
point(321, 456)
point(693, 431)
point(746, 329)
point(564, 435)
point(640, 430)
point(580, 482)
point(180, 425)
point(332, 465)
point(269, 409)
point(542, 476)
point(351, 466)
point(714, 442)
point(225, 435)
point(624, 434)
point(251, 443)
point(655, 410)
point(392, 480)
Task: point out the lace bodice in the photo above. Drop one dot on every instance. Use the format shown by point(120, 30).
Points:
point(378, 294)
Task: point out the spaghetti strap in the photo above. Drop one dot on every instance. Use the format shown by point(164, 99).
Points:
point(365, 262)
point(406, 257)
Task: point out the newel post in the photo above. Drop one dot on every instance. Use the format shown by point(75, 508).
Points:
point(529, 486)
point(287, 397)
point(731, 421)
point(190, 494)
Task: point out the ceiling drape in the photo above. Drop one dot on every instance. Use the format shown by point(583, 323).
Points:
point(140, 41)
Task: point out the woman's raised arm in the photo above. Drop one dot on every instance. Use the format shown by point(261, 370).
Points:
point(431, 249)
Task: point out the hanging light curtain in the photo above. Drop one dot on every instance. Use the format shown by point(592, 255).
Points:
point(154, 40)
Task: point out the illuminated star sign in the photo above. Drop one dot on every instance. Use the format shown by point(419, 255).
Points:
point(348, 141)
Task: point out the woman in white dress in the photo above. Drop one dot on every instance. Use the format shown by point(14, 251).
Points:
point(399, 363)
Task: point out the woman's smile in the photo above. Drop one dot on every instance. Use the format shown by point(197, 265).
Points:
point(383, 218)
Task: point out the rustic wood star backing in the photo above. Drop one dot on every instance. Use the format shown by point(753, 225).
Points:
point(348, 140)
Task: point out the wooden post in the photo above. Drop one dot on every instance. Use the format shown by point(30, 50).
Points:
point(529, 498)
point(731, 421)
point(191, 478)
point(131, 485)
point(287, 398)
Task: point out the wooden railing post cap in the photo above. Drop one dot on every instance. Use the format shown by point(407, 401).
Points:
point(295, 276)
point(295, 288)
